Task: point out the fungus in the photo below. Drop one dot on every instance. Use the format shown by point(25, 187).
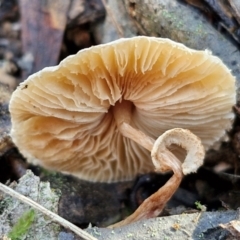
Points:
point(164, 160)
point(97, 114)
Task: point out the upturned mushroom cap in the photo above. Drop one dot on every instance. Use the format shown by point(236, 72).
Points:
point(184, 139)
point(62, 117)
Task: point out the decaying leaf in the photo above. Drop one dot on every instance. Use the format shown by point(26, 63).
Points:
point(233, 227)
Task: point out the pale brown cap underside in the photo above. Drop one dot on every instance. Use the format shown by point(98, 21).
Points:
point(62, 116)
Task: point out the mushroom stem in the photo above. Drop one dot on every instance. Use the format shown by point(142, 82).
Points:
point(153, 205)
point(136, 135)
point(122, 112)
point(164, 160)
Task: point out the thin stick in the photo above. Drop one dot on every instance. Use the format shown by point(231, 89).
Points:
point(51, 215)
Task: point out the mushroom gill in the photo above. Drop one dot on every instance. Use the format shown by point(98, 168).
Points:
point(66, 117)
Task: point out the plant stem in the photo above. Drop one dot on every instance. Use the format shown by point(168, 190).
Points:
point(51, 215)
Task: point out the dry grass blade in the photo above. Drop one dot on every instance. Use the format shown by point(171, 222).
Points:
point(53, 216)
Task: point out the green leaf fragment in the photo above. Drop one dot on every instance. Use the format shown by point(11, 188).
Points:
point(22, 225)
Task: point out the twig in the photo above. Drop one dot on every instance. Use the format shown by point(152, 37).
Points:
point(51, 215)
point(139, 27)
point(109, 12)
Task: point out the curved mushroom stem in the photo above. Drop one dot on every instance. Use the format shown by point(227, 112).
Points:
point(122, 112)
point(153, 205)
point(163, 160)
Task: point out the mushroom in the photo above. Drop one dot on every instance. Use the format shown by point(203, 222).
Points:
point(97, 114)
point(164, 160)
